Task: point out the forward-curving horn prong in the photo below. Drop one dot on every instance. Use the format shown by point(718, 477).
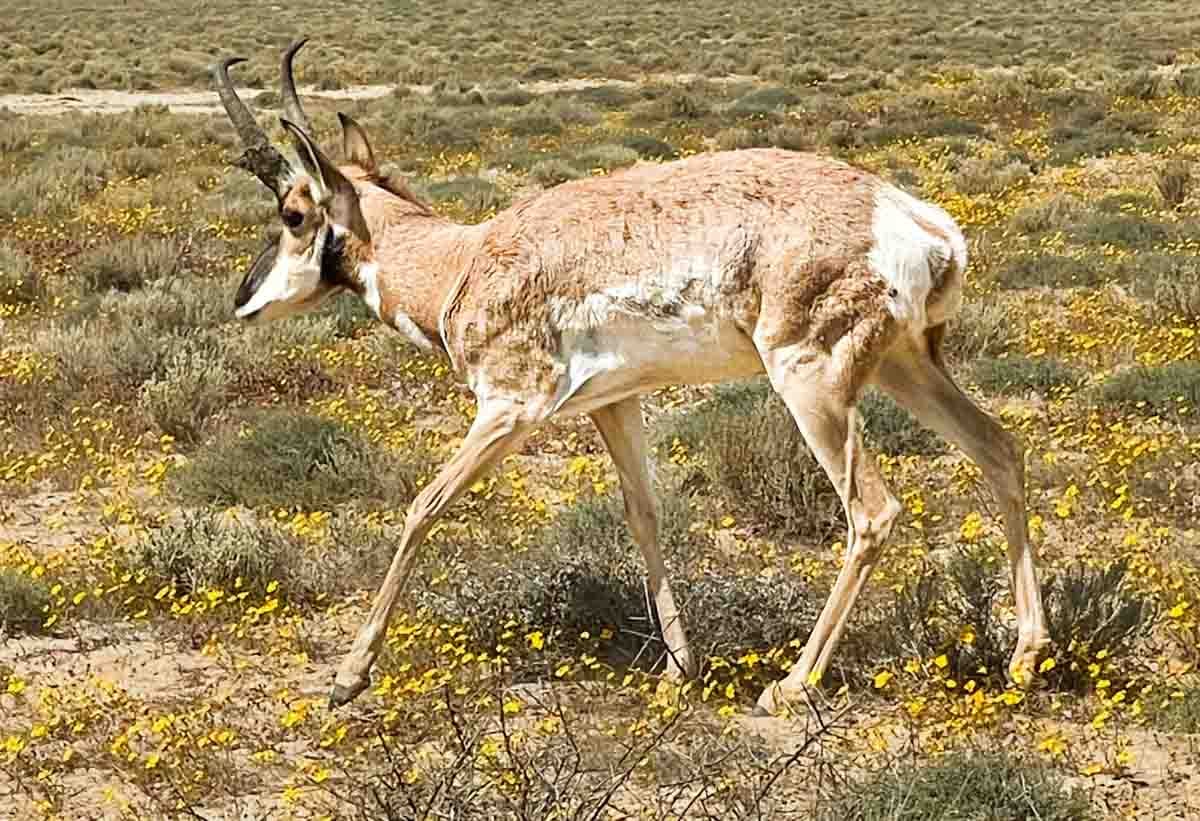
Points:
point(292, 110)
point(260, 158)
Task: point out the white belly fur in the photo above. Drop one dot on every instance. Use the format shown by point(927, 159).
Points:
point(630, 355)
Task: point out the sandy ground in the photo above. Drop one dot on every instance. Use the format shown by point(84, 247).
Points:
point(1163, 782)
point(108, 101)
point(105, 101)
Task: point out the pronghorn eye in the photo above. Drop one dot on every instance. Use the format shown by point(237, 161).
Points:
point(291, 218)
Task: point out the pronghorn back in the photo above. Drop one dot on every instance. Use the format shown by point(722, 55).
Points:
point(673, 273)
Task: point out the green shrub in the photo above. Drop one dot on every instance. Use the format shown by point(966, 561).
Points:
point(545, 71)
point(1016, 375)
point(925, 619)
point(1137, 123)
point(99, 359)
point(963, 786)
point(1164, 390)
point(209, 550)
point(764, 101)
point(604, 96)
point(531, 123)
point(981, 328)
point(20, 282)
point(1073, 148)
point(514, 96)
point(568, 112)
point(127, 264)
point(16, 135)
point(1049, 271)
point(686, 104)
point(1169, 279)
point(1187, 81)
point(453, 135)
point(840, 134)
point(238, 202)
point(100, 349)
point(1142, 84)
point(790, 137)
point(350, 314)
point(1086, 611)
point(583, 574)
point(554, 171)
point(606, 156)
point(476, 194)
point(293, 460)
point(650, 147)
point(24, 602)
point(162, 307)
point(1179, 295)
point(194, 385)
point(262, 368)
point(1182, 715)
point(891, 429)
point(139, 162)
point(57, 185)
point(459, 97)
point(1123, 230)
point(757, 462)
point(916, 127)
point(1054, 214)
point(1124, 202)
point(677, 104)
point(991, 176)
point(735, 139)
point(1174, 181)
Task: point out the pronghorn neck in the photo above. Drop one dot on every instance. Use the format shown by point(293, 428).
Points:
point(410, 271)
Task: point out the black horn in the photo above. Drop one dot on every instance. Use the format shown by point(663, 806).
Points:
point(292, 109)
point(260, 158)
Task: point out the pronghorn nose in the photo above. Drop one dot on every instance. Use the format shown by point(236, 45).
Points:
point(248, 317)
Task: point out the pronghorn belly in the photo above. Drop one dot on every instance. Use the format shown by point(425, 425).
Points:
point(631, 355)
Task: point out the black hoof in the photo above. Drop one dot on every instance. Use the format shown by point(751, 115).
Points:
point(341, 696)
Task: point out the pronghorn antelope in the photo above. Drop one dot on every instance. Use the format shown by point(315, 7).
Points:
point(586, 296)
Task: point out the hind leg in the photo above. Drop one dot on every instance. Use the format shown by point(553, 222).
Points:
point(822, 403)
point(917, 378)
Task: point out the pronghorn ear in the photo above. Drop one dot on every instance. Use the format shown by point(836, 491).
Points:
point(336, 192)
point(324, 173)
point(355, 146)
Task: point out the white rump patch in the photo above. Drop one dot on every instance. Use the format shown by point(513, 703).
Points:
point(903, 250)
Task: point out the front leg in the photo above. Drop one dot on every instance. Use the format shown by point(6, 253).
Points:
point(620, 425)
point(499, 429)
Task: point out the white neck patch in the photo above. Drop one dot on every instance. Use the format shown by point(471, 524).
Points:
point(368, 275)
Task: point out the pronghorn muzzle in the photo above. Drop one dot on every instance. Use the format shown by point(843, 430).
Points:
point(254, 277)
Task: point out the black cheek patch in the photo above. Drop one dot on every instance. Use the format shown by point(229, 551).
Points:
point(262, 266)
point(331, 260)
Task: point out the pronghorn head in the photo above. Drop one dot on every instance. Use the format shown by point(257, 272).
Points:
point(324, 236)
